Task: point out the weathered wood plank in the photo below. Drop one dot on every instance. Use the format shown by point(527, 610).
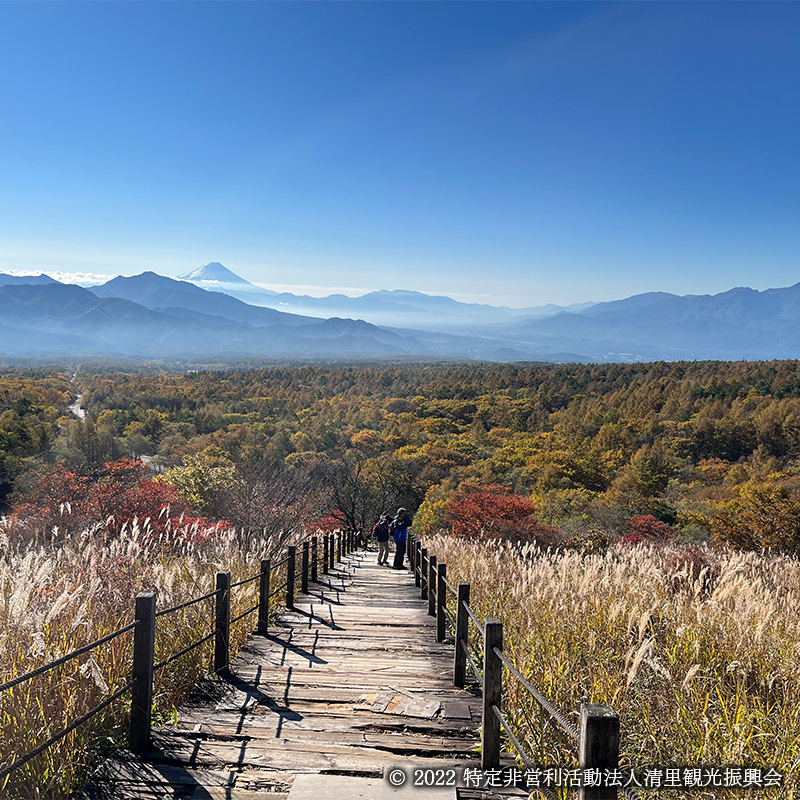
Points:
point(350, 682)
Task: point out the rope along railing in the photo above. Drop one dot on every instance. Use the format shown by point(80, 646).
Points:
point(141, 684)
point(598, 736)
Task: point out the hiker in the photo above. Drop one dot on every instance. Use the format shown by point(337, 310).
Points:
point(381, 534)
point(400, 525)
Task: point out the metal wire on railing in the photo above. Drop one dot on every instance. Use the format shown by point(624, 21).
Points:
point(76, 723)
point(475, 619)
point(244, 614)
point(187, 603)
point(64, 659)
point(557, 715)
point(7, 770)
point(279, 589)
point(187, 649)
point(490, 679)
point(246, 580)
point(471, 662)
point(521, 750)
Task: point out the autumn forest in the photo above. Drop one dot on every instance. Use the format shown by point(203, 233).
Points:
point(654, 508)
point(574, 456)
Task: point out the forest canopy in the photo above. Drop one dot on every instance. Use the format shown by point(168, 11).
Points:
point(709, 450)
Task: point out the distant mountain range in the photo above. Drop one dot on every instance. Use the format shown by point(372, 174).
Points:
point(152, 315)
point(397, 307)
point(741, 323)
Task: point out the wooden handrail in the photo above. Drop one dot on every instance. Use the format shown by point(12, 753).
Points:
point(144, 629)
point(599, 733)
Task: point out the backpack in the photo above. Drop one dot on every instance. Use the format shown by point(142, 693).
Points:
point(382, 530)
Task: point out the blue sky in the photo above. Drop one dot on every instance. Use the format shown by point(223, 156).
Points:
point(515, 153)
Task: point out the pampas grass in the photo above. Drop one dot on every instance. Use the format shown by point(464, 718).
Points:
point(696, 650)
point(54, 599)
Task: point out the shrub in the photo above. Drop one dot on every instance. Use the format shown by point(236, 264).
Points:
point(493, 512)
point(646, 528)
point(60, 503)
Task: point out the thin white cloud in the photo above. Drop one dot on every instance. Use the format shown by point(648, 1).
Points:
point(81, 278)
point(314, 291)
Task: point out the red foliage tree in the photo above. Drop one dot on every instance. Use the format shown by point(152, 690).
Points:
point(57, 499)
point(329, 523)
point(125, 493)
point(490, 512)
point(646, 528)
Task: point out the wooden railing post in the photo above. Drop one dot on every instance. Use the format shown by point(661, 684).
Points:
point(432, 586)
point(492, 694)
point(144, 647)
point(339, 547)
point(598, 748)
point(423, 572)
point(325, 556)
point(263, 598)
point(332, 549)
point(304, 571)
point(314, 558)
point(222, 622)
point(462, 637)
point(291, 576)
point(412, 551)
point(441, 603)
point(418, 565)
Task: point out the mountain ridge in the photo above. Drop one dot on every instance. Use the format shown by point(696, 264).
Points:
point(64, 318)
point(739, 323)
point(394, 307)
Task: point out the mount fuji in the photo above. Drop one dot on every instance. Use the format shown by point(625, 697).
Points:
point(214, 271)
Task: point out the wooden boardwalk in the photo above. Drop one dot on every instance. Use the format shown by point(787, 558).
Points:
point(345, 687)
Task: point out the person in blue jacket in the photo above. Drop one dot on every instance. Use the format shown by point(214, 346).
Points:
point(400, 525)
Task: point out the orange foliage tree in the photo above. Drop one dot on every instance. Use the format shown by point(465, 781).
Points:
point(762, 515)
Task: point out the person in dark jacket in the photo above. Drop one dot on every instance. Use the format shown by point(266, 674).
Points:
point(400, 525)
point(381, 533)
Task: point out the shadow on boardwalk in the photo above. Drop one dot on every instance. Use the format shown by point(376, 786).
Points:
point(348, 684)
